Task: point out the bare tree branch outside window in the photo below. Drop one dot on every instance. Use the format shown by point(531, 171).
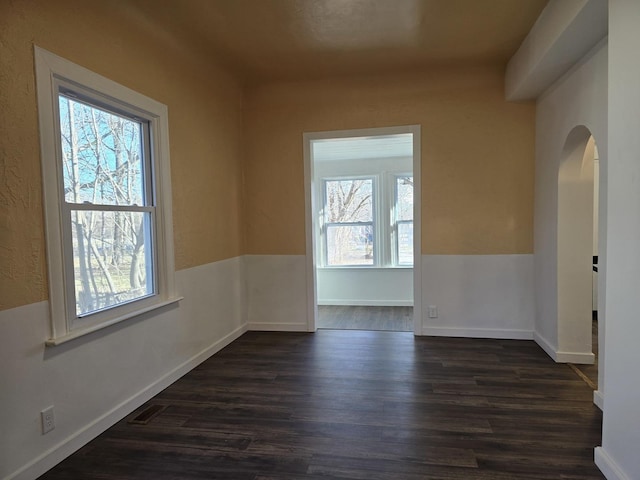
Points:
point(404, 220)
point(349, 226)
point(103, 170)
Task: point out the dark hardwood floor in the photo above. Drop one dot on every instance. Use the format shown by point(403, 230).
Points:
point(348, 317)
point(358, 405)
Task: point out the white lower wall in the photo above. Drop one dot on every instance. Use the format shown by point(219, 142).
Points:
point(97, 379)
point(478, 295)
point(276, 292)
point(365, 286)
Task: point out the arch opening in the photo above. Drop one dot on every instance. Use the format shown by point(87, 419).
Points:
point(578, 197)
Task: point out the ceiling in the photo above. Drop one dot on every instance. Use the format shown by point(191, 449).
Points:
point(264, 40)
point(361, 148)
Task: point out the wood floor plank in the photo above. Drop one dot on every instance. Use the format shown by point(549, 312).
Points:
point(393, 319)
point(358, 405)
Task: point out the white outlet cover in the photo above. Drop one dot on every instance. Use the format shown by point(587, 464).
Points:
point(48, 420)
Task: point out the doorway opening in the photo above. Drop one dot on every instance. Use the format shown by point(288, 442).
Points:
point(578, 253)
point(363, 229)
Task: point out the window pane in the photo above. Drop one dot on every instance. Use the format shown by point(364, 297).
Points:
point(102, 155)
point(404, 189)
point(405, 243)
point(350, 244)
point(111, 258)
point(349, 200)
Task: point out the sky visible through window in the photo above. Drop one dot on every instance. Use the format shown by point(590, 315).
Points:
point(103, 166)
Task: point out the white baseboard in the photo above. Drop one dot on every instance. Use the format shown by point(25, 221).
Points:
point(545, 345)
point(367, 303)
point(607, 466)
point(278, 327)
point(575, 357)
point(598, 399)
point(581, 358)
point(62, 450)
point(478, 333)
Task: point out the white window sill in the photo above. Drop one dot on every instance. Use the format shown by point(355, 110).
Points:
point(52, 342)
point(365, 267)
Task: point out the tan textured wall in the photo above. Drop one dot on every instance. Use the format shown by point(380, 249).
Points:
point(477, 156)
point(204, 120)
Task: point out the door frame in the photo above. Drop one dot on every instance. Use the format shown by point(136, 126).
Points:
point(310, 207)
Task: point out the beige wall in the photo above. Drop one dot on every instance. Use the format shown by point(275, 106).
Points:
point(204, 120)
point(477, 150)
point(477, 156)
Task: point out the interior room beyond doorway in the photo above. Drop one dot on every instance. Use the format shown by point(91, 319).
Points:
point(364, 230)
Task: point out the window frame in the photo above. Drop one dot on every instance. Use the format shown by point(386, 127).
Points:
point(55, 75)
point(385, 220)
point(326, 224)
point(396, 221)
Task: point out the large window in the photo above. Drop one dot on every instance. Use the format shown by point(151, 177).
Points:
point(368, 221)
point(107, 198)
point(404, 220)
point(108, 204)
point(349, 225)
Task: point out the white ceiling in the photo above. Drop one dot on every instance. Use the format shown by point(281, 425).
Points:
point(358, 148)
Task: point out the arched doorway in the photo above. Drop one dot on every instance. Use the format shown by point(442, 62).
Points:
point(578, 248)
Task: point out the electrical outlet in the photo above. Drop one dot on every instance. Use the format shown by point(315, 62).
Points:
point(432, 311)
point(48, 420)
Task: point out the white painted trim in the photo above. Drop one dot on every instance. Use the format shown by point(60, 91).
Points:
point(52, 342)
point(575, 357)
point(244, 290)
point(417, 230)
point(365, 268)
point(545, 345)
point(62, 450)
point(51, 69)
point(277, 327)
point(310, 237)
point(367, 303)
point(563, 357)
point(312, 310)
point(50, 179)
point(608, 466)
point(511, 334)
point(598, 399)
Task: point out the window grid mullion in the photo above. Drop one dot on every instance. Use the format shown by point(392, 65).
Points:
point(396, 221)
point(326, 224)
point(106, 208)
point(348, 224)
point(68, 266)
